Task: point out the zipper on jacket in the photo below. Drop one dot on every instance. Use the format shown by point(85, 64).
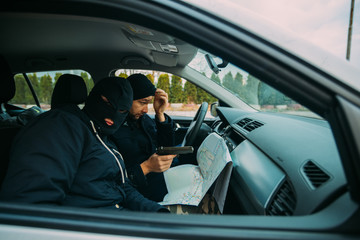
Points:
point(117, 160)
point(116, 151)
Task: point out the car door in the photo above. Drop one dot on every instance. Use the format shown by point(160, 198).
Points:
point(321, 91)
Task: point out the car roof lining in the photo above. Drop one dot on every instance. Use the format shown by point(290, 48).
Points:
point(119, 43)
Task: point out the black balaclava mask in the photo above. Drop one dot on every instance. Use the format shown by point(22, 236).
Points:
point(119, 94)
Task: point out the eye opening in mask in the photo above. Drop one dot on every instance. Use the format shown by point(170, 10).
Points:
point(107, 101)
point(122, 111)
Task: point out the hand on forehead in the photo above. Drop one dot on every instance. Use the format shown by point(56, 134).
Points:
point(159, 91)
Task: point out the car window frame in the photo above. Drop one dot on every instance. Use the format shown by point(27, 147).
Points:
point(229, 226)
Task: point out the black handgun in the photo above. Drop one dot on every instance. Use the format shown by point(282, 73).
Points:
point(174, 150)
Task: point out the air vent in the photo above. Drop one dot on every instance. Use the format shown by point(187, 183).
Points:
point(249, 124)
point(315, 176)
point(283, 203)
point(244, 121)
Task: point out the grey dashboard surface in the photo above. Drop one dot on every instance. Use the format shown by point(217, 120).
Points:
point(299, 147)
point(258, 172)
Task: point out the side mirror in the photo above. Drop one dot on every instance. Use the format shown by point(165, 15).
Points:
point(213, 107)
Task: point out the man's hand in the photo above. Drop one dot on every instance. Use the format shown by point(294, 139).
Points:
point(157, 163)
point(160, 104)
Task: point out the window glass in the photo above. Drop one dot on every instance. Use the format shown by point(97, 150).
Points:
point(184, 97)
point(23, 96)
point(43, 84)
point(248, 88)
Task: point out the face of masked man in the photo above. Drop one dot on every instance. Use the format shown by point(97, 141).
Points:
point(108, 104)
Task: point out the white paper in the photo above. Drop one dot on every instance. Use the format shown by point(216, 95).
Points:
point(188, 184)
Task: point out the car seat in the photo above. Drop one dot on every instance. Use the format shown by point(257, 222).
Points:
point(7, 87)
point(69, 89)
point(7, 131)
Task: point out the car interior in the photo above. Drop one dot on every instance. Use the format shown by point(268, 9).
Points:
point(283, 164)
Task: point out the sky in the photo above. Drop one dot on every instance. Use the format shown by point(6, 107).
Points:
point(324, 23)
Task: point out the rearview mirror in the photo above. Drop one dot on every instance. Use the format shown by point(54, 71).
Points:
point(213, 65)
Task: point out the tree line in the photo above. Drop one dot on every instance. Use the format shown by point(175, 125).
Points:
point(251, 90)
point(43, 87)
point(177, 91)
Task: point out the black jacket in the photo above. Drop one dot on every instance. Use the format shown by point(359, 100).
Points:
point(59, 160)
point(137, 143)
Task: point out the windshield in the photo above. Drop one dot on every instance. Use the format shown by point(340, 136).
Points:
point(324, 24)
point(248, 88)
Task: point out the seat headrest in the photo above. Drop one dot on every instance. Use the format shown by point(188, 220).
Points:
point(69, 89)
point(7, 82)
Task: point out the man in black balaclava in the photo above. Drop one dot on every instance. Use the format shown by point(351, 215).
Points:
point(108, 104)
point(138, 138)
point(65, 158)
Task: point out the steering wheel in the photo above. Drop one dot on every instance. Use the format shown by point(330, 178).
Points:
point(195, 125)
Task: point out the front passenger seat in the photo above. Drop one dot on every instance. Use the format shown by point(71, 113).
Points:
point(69, 89)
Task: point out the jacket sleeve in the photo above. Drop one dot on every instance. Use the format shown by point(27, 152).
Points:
point(44, 160)
point(136, 176)
point(165, 132)
point(137, 202)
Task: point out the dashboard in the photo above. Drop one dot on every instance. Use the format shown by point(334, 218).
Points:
point(282, 164)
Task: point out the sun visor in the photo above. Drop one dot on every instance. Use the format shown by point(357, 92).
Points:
point(165, 59)
point(165, 49)
point(142, 43)
point(135, 61)
point(147, 34)
point(161, 47)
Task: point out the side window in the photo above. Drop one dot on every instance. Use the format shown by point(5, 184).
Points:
point(184, 97)
point(23, 96)
point(43, 84)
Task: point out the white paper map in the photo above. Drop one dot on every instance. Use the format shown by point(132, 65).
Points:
point(187, 184)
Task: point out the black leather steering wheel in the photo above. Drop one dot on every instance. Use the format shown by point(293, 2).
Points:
point(195, 125)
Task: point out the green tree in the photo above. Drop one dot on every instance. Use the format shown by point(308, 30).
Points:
point(34, 80)
point(176, 91)
point(21, 89)
point(202, 95)
point(123, 75)
point(251, 90)
point(190, 92)
point(88, 81)
point(238, 84)
point(266, 95)
point(215, 78)
point(57, 75)
point(164, 83)
point(46, 88)
point(151, 78)
point(229, 82)
point(270, 96)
